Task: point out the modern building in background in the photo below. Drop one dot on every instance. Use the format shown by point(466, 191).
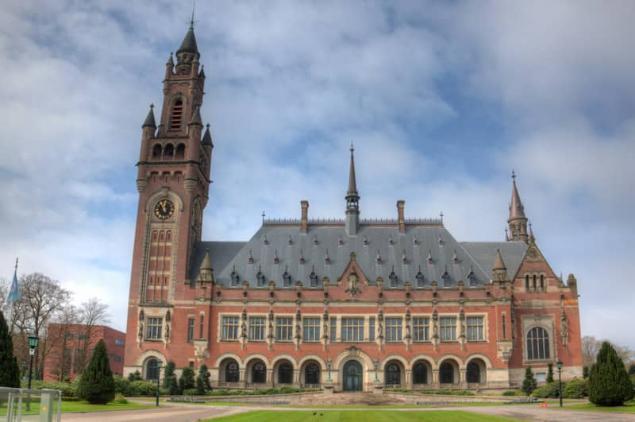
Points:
point(345, 304)
point(71, 346)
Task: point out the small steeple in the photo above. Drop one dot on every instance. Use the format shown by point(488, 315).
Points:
point(206, 271)
point(207, 137)
point(517, 220)
point(499, 271)
point(188, 51)
point(352, 199)
point(149, 121)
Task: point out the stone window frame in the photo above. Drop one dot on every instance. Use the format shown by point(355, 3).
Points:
point(291, 327)
point(219, 336)
point(485, 327)
point(317, 327)
point(400, 337)
point(541, 282)
point(260, 316)
point(543, 321)
point(456, 324)
point(363, 327)
point(156, 329)
point(428, 330)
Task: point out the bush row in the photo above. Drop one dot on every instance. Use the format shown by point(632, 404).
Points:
point(574, 389)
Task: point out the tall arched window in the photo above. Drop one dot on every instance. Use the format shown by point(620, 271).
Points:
point(258, 373)
point(156, 151)
point(168, 151)
point(312, 374)
point(232, 373)
point(420, 373)
point(537, 344)
point(393, 374)
point(180, 151)
point(152, 369)
point(176, 115)
point(285, 373)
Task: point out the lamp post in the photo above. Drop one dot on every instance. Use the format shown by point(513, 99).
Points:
point(559, 365)
point(158, 382)
point(33, 342)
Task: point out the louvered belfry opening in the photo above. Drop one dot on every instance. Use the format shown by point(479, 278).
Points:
point(176, 117)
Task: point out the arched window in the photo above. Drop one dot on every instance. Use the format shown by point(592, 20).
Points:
point(259, 373)
point(168, 151)
point(176, 116)
point(542, 282)
point(473, 374)
point(420, 373)
point(312, 374)
point(533, 284)
point(156, 151)
point(180, 151)
point(285, 373)
point(446, 373)
point(152, 369)
point(537, 344)
point(393, 374)
point(527, 282)
point(232, 373)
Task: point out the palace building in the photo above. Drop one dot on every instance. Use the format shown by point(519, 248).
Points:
point(341, 304)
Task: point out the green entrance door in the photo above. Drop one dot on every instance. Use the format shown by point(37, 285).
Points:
point(352, 376)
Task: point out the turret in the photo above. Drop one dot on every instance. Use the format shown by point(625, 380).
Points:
point(517, 220)
point(352, 199)
point(499, 270)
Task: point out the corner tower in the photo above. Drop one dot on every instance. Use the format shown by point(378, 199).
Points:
point(517, 220)
point(173, 183)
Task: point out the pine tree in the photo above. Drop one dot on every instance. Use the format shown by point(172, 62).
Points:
point(97, 384)
point(202, 380)
point(186, 381)
point(10, 374)
point(609, 384)
point(529, 383)
point(170, 382)
point(549, 373)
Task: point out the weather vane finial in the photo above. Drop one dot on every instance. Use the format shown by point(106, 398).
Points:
point(193, 10)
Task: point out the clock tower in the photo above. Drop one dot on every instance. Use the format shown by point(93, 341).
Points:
point(173, 183)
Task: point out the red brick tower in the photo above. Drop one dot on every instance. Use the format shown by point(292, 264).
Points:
point(173, 183)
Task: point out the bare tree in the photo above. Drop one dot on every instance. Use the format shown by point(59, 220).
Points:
point(4, 292)
point(59, 339)
point(590, 348)
point(91, 314)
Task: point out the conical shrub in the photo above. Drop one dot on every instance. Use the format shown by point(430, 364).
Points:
point(609, 384)
point(97, 385)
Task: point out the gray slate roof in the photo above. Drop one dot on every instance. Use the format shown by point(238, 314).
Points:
point(281, 253)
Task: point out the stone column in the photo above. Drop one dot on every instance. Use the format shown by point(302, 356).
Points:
point(463, 378)
point(435, 379)
point(408, 378)
point(297, 382)
point(270, 375)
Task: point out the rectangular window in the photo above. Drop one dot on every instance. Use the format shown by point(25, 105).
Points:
point(475, 331)
point(447, 328)
point(229, 329)
point(393, 329)
point(352, 329)
point(256, 328)
point(284, 329)
point(190, 330)
point(371, 329)
point(420, 329)
point(153, 328)
point(333, 328)
point(311, 329)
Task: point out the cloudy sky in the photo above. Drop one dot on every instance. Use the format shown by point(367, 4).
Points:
point(442, 100)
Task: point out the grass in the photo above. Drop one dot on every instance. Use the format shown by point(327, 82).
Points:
point(628, 407)
point(366, 416)
point(78, 407)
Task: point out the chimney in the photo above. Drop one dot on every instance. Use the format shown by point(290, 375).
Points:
point(304, 220)
point(400, 216)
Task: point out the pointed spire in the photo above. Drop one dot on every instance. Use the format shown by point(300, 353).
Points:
point(170, 61)
point(532, 238)
point(352, 199)
point(14, 291)
point(517, 220)
point(149, 121)
point(207, 137)
point(499, 264)
point(207, 261)
point(205, 270)
point(188, 46)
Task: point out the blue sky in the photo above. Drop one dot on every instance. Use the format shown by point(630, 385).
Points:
point(442, 100)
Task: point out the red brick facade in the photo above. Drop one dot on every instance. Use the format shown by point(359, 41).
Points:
point(72, 346)
point(344, 304)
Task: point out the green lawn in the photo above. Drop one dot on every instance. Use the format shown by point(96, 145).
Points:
point(78, 407)
point(354, 416)
point(627, 408)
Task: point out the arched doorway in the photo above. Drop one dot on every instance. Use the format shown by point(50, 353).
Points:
point(392, 374)
point(352, 376)
point(285, 373)
point(229, 371)
point(312, 374)
point(257, 372)
point(476, 371)
point(448, 372)
point(420, 373)
point(152, 369)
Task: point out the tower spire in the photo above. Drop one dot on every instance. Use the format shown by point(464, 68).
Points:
point(352, 198)
point(517, 220)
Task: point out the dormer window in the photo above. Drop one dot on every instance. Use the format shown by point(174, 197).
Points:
point(420, 279)
point(394, 280)
point(286, 279)
point(260, 279)
point(313, 279)
point(446, 279)
point(235, 278)
point(176, 115)
point(471, 279)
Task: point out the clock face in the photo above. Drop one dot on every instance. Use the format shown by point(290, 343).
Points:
point(164, 209)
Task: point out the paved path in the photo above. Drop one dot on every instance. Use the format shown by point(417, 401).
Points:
point(193, 413)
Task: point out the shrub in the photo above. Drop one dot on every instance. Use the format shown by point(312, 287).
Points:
point(10, 374)
point(170, 383)
point(631, 369)
point(134, 376)
point(187, 379)
point(120, 399)
point(190, 392)
point(548, 391)
point(202, 380)
point(69, 391)
point(609, 384)
point(576, 389)
point(549, 373)
point(142, 388)
point(511, 393)
point(97, 385)
point(529, 383)
point(122, 385)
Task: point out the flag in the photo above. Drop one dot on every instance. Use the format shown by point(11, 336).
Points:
point(14, 293)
